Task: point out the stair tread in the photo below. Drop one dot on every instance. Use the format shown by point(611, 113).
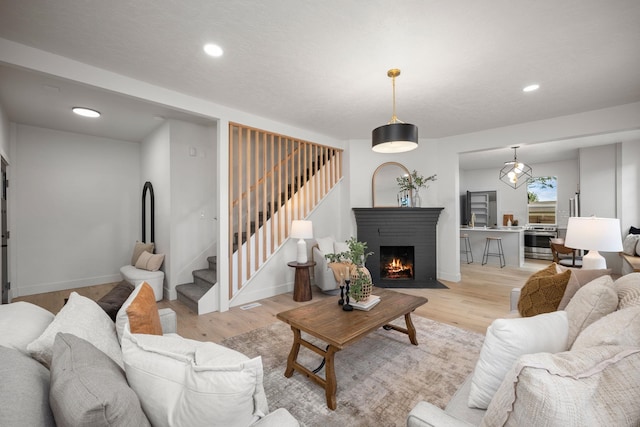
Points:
point(192, 291)
point(206, 275)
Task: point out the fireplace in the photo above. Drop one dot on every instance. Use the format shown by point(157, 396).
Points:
point(403, 241)
point(396, 262)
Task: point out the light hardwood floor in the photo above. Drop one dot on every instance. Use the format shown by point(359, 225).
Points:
point(473, 303)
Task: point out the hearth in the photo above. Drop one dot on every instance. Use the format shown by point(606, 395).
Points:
point(403, 241)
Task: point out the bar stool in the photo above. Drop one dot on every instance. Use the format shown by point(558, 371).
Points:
point(467, 247)
point(487, 248)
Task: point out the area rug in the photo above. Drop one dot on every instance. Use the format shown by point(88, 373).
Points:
point(380, 378)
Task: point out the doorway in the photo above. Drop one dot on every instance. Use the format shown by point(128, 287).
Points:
point(4, 261)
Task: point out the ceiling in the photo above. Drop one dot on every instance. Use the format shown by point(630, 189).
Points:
point(322, 65)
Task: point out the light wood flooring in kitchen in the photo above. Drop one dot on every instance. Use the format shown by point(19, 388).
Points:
point(473, 303)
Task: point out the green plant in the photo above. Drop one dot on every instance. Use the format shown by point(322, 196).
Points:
point(357, 251)
point(414, 181)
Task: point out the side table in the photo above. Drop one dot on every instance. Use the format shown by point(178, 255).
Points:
point(302, 282)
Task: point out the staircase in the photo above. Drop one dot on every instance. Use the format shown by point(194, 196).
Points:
point(190, 293)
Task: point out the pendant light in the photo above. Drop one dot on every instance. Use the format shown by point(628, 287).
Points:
point(515, 173)
point(396, 136)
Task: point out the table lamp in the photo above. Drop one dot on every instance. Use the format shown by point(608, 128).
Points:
point(594, 234)
point(301, 230)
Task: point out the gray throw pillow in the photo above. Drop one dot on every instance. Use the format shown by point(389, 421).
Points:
point(24, 391)
point(90, 389)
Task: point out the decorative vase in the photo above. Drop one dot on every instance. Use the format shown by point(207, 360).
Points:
point(364, 293)
point(417, 201)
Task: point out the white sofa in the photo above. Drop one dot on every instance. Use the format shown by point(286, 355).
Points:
point(594, 381)
point(94, 389)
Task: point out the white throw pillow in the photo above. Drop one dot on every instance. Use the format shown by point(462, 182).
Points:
point(325, 244)
point(621, 327)
point(339, 247)
point(508, 339)
point(85, 319)
point(629, 244)
point(181, 382)
point(22, 322)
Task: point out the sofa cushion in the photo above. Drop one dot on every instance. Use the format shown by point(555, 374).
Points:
point(143, 312)
point(84, 318)
point(24, 390)
point(114, 299)
point(628, 289)
point(596, 386)
point(579, 278)
point(140, 247)
point(181, 382)
point(22, 322)
point(542, 292)
point(122, 318)
point(150, 262)
point(593, 301)
point(506, 340)
point(90, 389)
point(621, 327)
point(325, 244)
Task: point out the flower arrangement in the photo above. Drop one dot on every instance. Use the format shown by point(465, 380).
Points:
point(414, 181)
point(357, 253)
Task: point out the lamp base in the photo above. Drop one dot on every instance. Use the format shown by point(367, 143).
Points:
point(593, 261)
point(301, 257)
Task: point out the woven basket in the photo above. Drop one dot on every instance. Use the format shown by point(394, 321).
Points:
point(365, 292)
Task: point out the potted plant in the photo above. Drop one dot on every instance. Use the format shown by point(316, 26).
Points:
point(413, 183)
point(361, 285)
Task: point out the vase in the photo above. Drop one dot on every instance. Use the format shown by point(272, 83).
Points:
point(364, 293)
point(417, 201)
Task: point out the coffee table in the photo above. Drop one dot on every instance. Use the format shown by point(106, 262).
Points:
point(327, 321)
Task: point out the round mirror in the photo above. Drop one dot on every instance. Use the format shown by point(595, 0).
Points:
point(384, 186)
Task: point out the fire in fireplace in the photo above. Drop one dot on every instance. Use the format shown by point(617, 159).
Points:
point(396, 262)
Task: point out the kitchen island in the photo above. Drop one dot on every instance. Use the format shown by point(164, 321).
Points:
point(512, 244)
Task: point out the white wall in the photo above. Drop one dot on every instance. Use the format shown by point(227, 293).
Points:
point(4, 133)
point(71, 200)
point(629, 186)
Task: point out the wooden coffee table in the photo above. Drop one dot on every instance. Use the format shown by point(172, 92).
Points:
point(327, 321)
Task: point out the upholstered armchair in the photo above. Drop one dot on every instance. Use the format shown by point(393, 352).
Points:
point(323, 274)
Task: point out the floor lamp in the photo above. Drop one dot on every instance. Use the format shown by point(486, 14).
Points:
point(594, 234)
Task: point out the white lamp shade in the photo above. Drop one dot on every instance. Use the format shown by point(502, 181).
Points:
point(301, 230)
point(594, 234)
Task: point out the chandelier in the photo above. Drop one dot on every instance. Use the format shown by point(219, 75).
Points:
point(396, 136)
point(515, 173)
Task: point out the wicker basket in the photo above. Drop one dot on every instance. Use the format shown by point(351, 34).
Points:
point(365, 292)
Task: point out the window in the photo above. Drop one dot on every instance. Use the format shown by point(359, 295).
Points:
point(542, 192)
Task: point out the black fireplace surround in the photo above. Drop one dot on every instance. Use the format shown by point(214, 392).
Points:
point(401, 227)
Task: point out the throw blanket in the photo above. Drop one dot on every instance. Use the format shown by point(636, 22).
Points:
point(340, 270)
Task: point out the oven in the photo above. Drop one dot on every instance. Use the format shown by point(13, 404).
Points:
point(537, 243)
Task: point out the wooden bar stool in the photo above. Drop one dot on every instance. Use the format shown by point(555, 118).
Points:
point(467, 247)
point(487, 249)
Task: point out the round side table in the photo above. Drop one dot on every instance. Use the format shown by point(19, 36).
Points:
point(302, 282)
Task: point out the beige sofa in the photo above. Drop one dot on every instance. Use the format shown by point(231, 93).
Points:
point(595, 381)
point(80, 368)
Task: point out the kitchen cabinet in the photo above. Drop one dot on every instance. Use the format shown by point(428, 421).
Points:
point(483, 205)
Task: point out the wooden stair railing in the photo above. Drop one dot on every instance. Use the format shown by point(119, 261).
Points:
point(273, 180)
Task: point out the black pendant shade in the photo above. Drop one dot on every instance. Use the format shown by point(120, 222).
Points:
point(394, 138)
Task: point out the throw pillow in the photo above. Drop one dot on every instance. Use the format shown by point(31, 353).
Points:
point(339, 247)
point(143, 312)
point(542, 292)
point(593, 301)
point(638, 248)
point(595, 386)
point(140, 247)
point(24, 393)
point(579, 278)
point(89, 389)
point(122, 318)
point(634, 230)
point(629, 244)
point(506, 340)
point(114, 299)
point(150, 262)
point(325, 244)
point(618, 328)
point(628, 289)
point(84, 318)
point(181, 382)
point(22, 322)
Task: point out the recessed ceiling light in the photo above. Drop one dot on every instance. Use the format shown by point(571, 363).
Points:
point(531, 88)
point(213, 50)
point(85, 112)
